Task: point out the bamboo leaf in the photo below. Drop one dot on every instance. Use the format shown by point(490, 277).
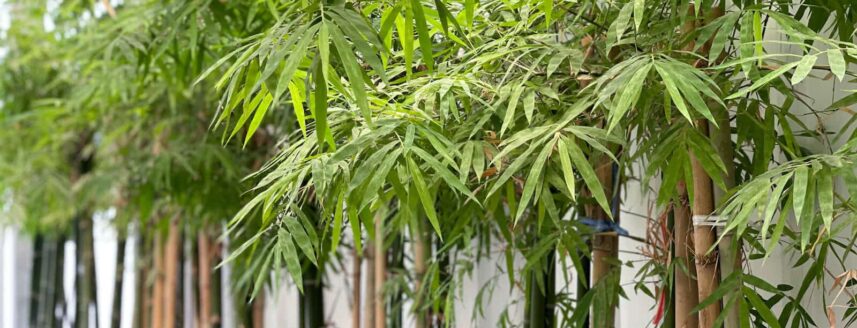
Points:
point(534, 179)
point(290, 255)
point(426, 198)
point(354, 72)
point(824, 189)
point(299, 235)
point(764, 80)
point(801, 181)
point(567, 171)
point(837, 62)
point(589, 177)
point(423, 34)
point(803, 68)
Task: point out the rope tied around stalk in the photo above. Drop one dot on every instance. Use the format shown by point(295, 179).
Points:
point(709, 221)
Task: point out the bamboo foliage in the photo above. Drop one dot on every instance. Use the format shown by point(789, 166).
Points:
point(434, 124)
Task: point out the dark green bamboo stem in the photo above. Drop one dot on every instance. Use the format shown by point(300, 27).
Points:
point(86, 284)
point(116, 314)
point(38, 258)
point(312, 300)
point(56, 292)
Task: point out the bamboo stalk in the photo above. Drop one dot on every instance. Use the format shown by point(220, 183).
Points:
point(686, 293)
point(116, 313)
point(421, 256)
point(604, 246)
point(721, 137)
point(258, 310)
point(380, 273)
point(705, 238)
point(312, 300)
point(204, 270)
point(57, 297)
point(157, 299)
point(171, 272)
point(216, 280)
point(355, 279)
point(369, 307)
point(37, 260)
point(86, 272)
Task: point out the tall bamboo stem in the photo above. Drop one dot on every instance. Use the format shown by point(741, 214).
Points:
point(686, 293)
point(421, 255)
point(86, 272)
point(355, 279)
point(380, 273)
point(204, 257)
point(605, 247)
point(116, 314)
point(730, 257)
point(312, 300)
point(171, 272)
point(705, 238)
point(369, 307)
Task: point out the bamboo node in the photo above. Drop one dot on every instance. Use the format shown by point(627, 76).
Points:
point(708, 259)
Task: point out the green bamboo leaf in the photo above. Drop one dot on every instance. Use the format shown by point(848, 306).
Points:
point(512, 168)
point(837, 62)
point(757, 34)
point(799, 188)
point(764, 80)
point(554, 62)
point(773, 201)
point(629, 96)
point(291, 65)
point(466, 158)
point(290, 254)
point(824, 189)
point(296, 230)
point(479, 160)
point(324, 47)
point(589, 177)
point(720, 39)
point(547, 8)
point(761, 308)
point(337, 221)
point(257, 117)
point(298, 106)
point(673, 92)
point(567, 170)
point(262, 276)
point(249, 109)
point(423, 33)
point(354, 72)
point(322, 128)
point(803, 68)
point(444, 173)
point(426, 198)
point(639, 10)
point(529, 105)
point(510, 109)
point(534, 179)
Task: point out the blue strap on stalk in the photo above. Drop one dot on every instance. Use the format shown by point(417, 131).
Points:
point(601, 226)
